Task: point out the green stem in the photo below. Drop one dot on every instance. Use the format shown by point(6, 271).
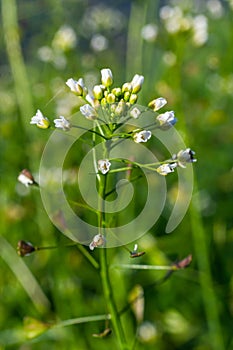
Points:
point(104, 273)
point(88, 256)
point(108, 294)
point(79, 320)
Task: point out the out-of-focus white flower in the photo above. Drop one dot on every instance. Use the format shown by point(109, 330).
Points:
point(97, 241)
point(26, 178)
point(149, 32)
point(88, 111)
point(147, 332)
point(142, 136)
point(136, 83)
point(77, 87)
point(186, 156)
point(165, 169)
point(135, 113)
point(172, 17)
point(169, 58)
point(62, 123)
point(231, 4)
point(106, 77)
point(215, 8)
point(45, 54)
point(200, 30)
point(166, 120)
point(40, 120)
point(104, 166)
point(99, 43)
point(157, 103)
point(64, 39)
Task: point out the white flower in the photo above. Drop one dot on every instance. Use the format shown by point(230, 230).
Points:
point(186, 156)
point(165, 169)
point(135, 113)
point(166, 120)
point(77, 87)
point(142, 136)
point(149, 32)
point(90, 99)
point(64, 39)
point(97, 241)
point(157, 103)
point(106, 77)
point(147, 332)
point(26, 178)
point(136, 83)
point(99, 42)
point(88, 111)
point(104, 165)
point(62, 123)
point(200, 30)
point(40, 120)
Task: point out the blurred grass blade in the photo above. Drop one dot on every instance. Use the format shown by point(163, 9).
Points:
point(24, 276)
point(206, 282)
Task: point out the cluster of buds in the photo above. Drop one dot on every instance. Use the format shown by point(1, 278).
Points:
point(120, 99)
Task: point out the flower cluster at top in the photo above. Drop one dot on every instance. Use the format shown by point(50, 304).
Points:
point(114, 106)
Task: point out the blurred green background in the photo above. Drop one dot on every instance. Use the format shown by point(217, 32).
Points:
point(184, 50)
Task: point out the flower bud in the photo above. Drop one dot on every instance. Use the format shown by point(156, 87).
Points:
point(127, 87)
point(98, 92)
point(137, 82)
point(106, 77)
point(166, 120)
point(97, 241)
point(165, 169)
point(186, 156)
point(133, 99)
point(111, 98)
point(76, 86)
point(26, 178)
point(88, 111)
point(120, 108)
point(62, 123)
point(127, 95)
point(117, 92)
point(157, 103)
point(25, 248)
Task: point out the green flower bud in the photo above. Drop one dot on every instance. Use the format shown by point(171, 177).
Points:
point(127, 95)
point(127, 87)
point(117, 92)
point(133, 99)
point(103, 102)
point(111, 98)
point(98, 92)
point(120, 108)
